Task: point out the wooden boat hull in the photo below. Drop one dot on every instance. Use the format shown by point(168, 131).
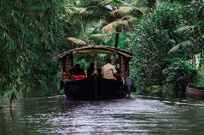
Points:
point(94, 89)
point(196, 92)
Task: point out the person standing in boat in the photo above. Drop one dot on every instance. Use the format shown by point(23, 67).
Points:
point(108, 71)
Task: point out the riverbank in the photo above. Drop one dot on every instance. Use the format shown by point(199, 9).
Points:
point(199, 79)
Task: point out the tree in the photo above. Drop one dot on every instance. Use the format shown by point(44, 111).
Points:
point(163, 42)
point(111, 16)
point(190, 32)
point(31, 32)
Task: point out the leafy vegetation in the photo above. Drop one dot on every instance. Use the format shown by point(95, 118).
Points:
point(100, 21)
point(199, 79)
point(164, 36)
point(31, 33)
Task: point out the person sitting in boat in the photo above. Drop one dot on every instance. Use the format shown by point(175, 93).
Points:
point(91, 71)
point(78, 73)
point(99, 72)
point(118, 74)
point(108, 71)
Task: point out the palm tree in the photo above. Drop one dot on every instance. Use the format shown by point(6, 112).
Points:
point(111, 16)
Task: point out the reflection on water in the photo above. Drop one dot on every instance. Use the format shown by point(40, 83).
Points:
point(140, 116)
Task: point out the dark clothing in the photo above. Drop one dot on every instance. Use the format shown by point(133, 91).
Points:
point(77, 71)
point(90, 72)
point(181, 83)
point(129, 85)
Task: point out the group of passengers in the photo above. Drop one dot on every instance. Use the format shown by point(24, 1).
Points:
point(108, 71)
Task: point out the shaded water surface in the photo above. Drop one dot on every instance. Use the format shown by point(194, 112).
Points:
point(138, 116)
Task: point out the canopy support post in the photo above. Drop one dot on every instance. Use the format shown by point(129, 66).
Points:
point(67, 65)
point(124, 62)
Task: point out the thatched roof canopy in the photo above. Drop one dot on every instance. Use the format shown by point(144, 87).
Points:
point(96, 49)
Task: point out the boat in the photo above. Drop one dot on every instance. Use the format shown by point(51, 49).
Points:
point(195, 92)
point(95, 88)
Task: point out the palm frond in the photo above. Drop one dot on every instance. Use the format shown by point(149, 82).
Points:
point(185, 29)
point(127, 10)
point(75, 41)
point(115, 25)
point(182, 45)
point(76, 11)
point(174, 49)
point(122, 24)
point(105, 2)
point(101, 36)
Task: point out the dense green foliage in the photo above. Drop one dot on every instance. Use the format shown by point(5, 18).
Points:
point(164, 41)
point(96, 21)
point(31, 33)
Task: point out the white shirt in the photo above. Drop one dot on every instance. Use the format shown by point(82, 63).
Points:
point(108, 71)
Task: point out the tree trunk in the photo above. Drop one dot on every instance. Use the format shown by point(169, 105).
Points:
point(117, 36)
point(152, 3)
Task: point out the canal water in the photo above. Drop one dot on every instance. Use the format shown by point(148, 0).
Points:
point(136, 116)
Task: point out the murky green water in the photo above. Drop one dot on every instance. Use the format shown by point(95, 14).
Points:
point(139, 116)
